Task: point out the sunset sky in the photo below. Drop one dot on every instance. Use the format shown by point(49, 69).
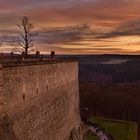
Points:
point(74, 26)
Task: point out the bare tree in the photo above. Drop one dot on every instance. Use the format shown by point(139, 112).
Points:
point(25, 34)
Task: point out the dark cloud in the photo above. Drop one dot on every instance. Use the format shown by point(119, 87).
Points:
point(65, 35)
point(106, 46)
point(59, 48)
point(131, 28)
point(77, 44)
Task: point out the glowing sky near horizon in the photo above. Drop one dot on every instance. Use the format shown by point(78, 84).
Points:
point(75, 26)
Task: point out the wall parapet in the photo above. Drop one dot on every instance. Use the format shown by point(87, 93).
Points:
point(28, 62)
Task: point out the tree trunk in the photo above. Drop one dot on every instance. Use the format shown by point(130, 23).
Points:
point(26, 51)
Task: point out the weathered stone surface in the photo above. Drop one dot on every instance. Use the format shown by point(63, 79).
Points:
point(42, 101)
point(76, 134)
point(6, 128)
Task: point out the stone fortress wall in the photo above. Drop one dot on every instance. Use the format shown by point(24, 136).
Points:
point(40, 102)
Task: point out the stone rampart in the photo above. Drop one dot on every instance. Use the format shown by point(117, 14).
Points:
point(40, 102)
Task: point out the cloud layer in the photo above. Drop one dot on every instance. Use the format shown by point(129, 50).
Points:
point(69, 25)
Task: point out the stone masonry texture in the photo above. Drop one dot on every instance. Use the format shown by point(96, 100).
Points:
point(40, 102)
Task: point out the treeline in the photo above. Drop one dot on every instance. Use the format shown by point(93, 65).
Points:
point(114, 100)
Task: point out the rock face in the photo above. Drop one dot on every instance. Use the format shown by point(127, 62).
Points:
point(40, 102)
point(76, 134)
